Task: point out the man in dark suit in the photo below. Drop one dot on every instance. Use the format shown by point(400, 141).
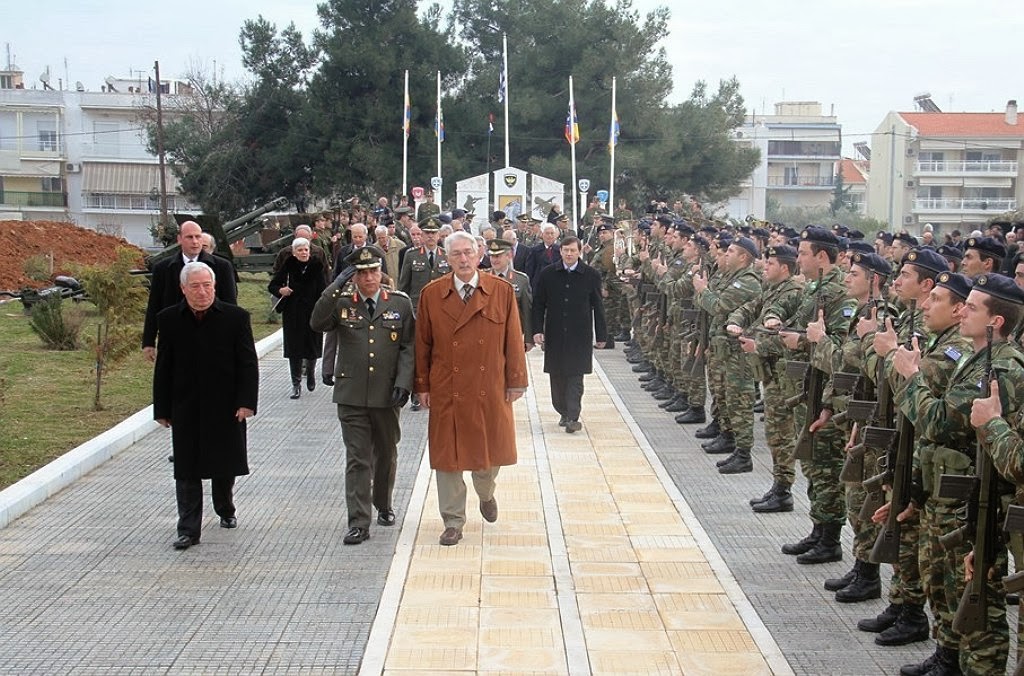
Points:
point(360, 235)
point(205, 386)
point(544, 254)
point(520, 252)
point(165, 285)
point(373, 378)
point(567, 313)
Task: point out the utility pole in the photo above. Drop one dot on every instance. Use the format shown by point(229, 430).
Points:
point(160, 148)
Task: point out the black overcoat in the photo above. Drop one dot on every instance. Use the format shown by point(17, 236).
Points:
point(307, 283)
point(205, 371)
point(567, 309)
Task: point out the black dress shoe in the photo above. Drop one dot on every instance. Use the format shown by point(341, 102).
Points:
point(184, 542)
point(296, 392)
point(329, 381)
point(562, 421)
point(385, 517)
point(356, 535)
point(311, 381)
point(228, 522)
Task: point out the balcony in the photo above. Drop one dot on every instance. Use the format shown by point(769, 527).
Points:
point(128, 202)
point(801, 182)
point(33, 199)
point(997, 168)
point(981, 206)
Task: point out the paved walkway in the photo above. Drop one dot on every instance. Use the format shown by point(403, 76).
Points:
point(617, 549)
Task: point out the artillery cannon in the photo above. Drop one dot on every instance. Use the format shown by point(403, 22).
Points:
point(63, 287)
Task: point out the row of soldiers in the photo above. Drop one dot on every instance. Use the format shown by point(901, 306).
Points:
point(876, 371)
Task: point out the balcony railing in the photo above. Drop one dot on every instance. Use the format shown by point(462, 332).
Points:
point(801, 181)
point(33, 199)
point(968, 167)
point(123, 202)
point(990, 205)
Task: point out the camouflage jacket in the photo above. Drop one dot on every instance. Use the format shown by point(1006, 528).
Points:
point(733, 290)
point(784, 297)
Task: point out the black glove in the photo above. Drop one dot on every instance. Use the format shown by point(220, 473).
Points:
point(399, 397)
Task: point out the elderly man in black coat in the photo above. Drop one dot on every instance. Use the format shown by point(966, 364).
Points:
point(567, 308)
point(205, 386)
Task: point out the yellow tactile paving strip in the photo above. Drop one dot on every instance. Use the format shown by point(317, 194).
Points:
point(591, 567)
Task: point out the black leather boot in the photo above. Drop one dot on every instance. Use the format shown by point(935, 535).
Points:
point(768, 494)
point(693, 415)
point(781, 500)
point(834, 584)
point(727, 459)
point(806, 544)
point(911, 626)
point(943, 662)
point(865, 586)
point(883, 621)
point(296, 390)
point(723, 443)
point(311, 374)
point(643, 367)
point(709, 432)
point(827, 549)
point(759, 406)
point(679, 404)
point(740, 464)
point(667, 393)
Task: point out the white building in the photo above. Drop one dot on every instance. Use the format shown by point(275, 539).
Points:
point(953, 170)
point(81, 156)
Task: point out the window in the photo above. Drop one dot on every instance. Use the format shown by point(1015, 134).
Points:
point(792, 176)
point(929, 192)
point(6, 82)
point(106, 138)
point(47, 130)
point(52, 184)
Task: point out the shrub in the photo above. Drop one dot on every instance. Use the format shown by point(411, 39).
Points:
point(38, 268)
point(59, 330)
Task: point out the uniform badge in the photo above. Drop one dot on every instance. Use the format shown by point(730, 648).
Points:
point(737, 285)
point(344, 313)
point(847, 312)
point(391, 315)
point(953, 353)
point(394, 336)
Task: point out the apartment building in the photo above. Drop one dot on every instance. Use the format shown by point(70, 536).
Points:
point(799, 150)
point(81, 156)
point(855, 183)
point(953, 170)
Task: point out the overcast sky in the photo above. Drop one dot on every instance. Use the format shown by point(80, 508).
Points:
point(865, 58)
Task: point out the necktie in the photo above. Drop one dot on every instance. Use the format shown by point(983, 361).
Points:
point(467, 291)
point(370, 306)
point(430, 257)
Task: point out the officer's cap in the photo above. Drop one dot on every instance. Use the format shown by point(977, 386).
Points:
point(366, 258)
point(999, 286)
point(958, 284)
point(819, 235)
point(605, 227)
point(782, 252)
point(525, 216)
point(987, 245)
point(403, 210)
point(498, 246)
point(747, 245)
point(927, 259)
point(872, 262)
point(949, 251)
point(430, 224)
point(561, 218)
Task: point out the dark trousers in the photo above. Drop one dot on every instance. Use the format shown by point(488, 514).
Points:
point(295, 365)
point(189, 493)
point(330, 352)
point(371, 437)
point(567, 394)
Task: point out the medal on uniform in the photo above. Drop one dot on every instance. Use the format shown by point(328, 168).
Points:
point(394, 336)
point(344, 313)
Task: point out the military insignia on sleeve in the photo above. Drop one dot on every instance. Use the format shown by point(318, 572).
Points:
point(847, 312)
point(953, 353)
point(394, 336)
point(737, 285)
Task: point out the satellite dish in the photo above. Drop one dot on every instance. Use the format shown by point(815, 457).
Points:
point(110, 83)
point(79, 87)
point(45, 77)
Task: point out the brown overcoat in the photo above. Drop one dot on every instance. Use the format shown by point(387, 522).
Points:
point(467, 355)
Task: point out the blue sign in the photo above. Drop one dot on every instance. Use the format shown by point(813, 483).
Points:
point(602, 195)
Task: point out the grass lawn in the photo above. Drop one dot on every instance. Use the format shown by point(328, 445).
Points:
point(46, 397)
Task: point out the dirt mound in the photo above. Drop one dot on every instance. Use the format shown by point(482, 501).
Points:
point(66, 243)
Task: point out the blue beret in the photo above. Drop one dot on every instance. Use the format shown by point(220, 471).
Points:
point(999, 286)
point(927, 259)
point(819, 235)
point(987, 245)
point(860, 246)
point(782, 252)
point(949, 251)
point(959, 284)
point(747, 245)
point(872, 262)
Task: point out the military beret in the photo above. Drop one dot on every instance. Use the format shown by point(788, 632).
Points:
point(987, 245)
point(605, 227)
point(747, 245)
point(702, 242)
point(906, 238)
point(664, 220)
point(819, 235)
point(794, 241)
point(860, 246)
point(843, 243)
point(458, 213)
point(927, 259)
point(788, 232)
point(760, 232)
point(709, 229)
point(403, 210)
point(445, 219)
point(745, 229)
point(430, 224)
point(1000, 286)
point(950, 251)
point(885, 237)
point(855, 234)
point(782, 252)
point(686, 230)
point(365, 258)
point(872, 262)
point(840, 229)
point(955, 282)
point(498, 246)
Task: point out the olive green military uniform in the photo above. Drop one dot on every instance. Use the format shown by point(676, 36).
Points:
point(418, 271)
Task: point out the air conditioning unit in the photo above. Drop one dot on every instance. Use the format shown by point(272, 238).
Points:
point(910, 183)
point(910, 152)
point(72, 167)
point(908, 220)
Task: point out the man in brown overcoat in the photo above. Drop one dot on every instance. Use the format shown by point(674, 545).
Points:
point(470, 368)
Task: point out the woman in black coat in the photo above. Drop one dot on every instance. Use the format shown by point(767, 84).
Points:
point(298, 285)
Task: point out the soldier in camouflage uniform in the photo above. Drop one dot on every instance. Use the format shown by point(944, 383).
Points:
point(712, 278)
point(739, 285)
point(602, 259)
point(784, 293)
point(816, 256)
point(993, 301)
point(647, 313)
point(670, 272)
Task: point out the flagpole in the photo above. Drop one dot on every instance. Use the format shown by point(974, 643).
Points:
point(405, 138)
point(504, 65)
point(440, 134)
point(572, 151)
point(612, 142)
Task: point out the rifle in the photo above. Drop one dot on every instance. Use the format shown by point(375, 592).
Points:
point(703, 328)
point(814, 386)
point(982, 503)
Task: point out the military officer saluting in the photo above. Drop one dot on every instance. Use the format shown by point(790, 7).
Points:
point(500, 252)
point(373, 376)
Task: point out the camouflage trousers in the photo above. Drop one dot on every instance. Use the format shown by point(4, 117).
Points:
point(942, 570)
point(695, 383)
point(986, 651)
point(716, 381)
point(905, 584)
point(865, 531)
point(824, 489)
point(673, 358)
point(737, 402)
point(617, 308)
point(779, 423)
